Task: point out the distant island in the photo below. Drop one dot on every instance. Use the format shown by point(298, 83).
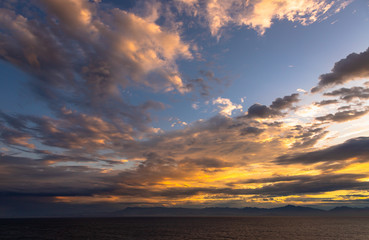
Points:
point(288, 210)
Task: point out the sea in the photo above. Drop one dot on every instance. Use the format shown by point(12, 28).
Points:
point(315, 228)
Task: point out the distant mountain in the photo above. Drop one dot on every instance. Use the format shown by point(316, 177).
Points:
point(349, 211)
point(288, 210)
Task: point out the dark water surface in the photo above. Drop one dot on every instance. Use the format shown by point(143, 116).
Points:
point(187, 228)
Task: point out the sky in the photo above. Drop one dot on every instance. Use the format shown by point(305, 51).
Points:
point(109, 104)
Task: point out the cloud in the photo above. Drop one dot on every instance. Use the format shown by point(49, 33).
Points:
point(354, 148)
point(308, 136)
point(285, 185)
point(354, 66)
point(50, 181)
point(282, 186)
point(195, 106)
point(314, 184)
point(251, 130)
point(149, 46)
point(285, 102)
point(205, 163)
point(170, 165)
point(177, 121)
point(326, 102)
point(275, 109)
point(260, 15)
point(226, 107)
point(71, 130)
point(81, 54)
point(217, 136)
point(157, 168)
point(261, 111)
point(200, 84)
point(14, 137)
point(343, 116)
point(348, 94)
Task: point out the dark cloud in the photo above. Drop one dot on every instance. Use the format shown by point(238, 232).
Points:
point(150, 104)
point(311, 184)
point(251, 130)
point(203, 84)
point(261, 111)
point(71, 130)
point(316, 184)
point(308, 136)
point(272, 179)
point(210, 76)
point(328, 167)
point(14, 137)
point(207, 74)
point(354, 66)
point(348, 94)
point(200, 84)
point(326, 102)
point(13, 121)
point(309, 141)
point(353, 148)
point(273, 124)
point(41, 180)
point(285, 102)
point(204, 163)
point(343, 115)
point(343, 108)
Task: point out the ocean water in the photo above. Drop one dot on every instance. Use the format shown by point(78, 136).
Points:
point(317, 228)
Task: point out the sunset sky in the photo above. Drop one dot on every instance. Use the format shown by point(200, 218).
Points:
point(107, 104)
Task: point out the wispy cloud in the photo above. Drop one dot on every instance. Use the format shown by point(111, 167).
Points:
point(260, 15)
